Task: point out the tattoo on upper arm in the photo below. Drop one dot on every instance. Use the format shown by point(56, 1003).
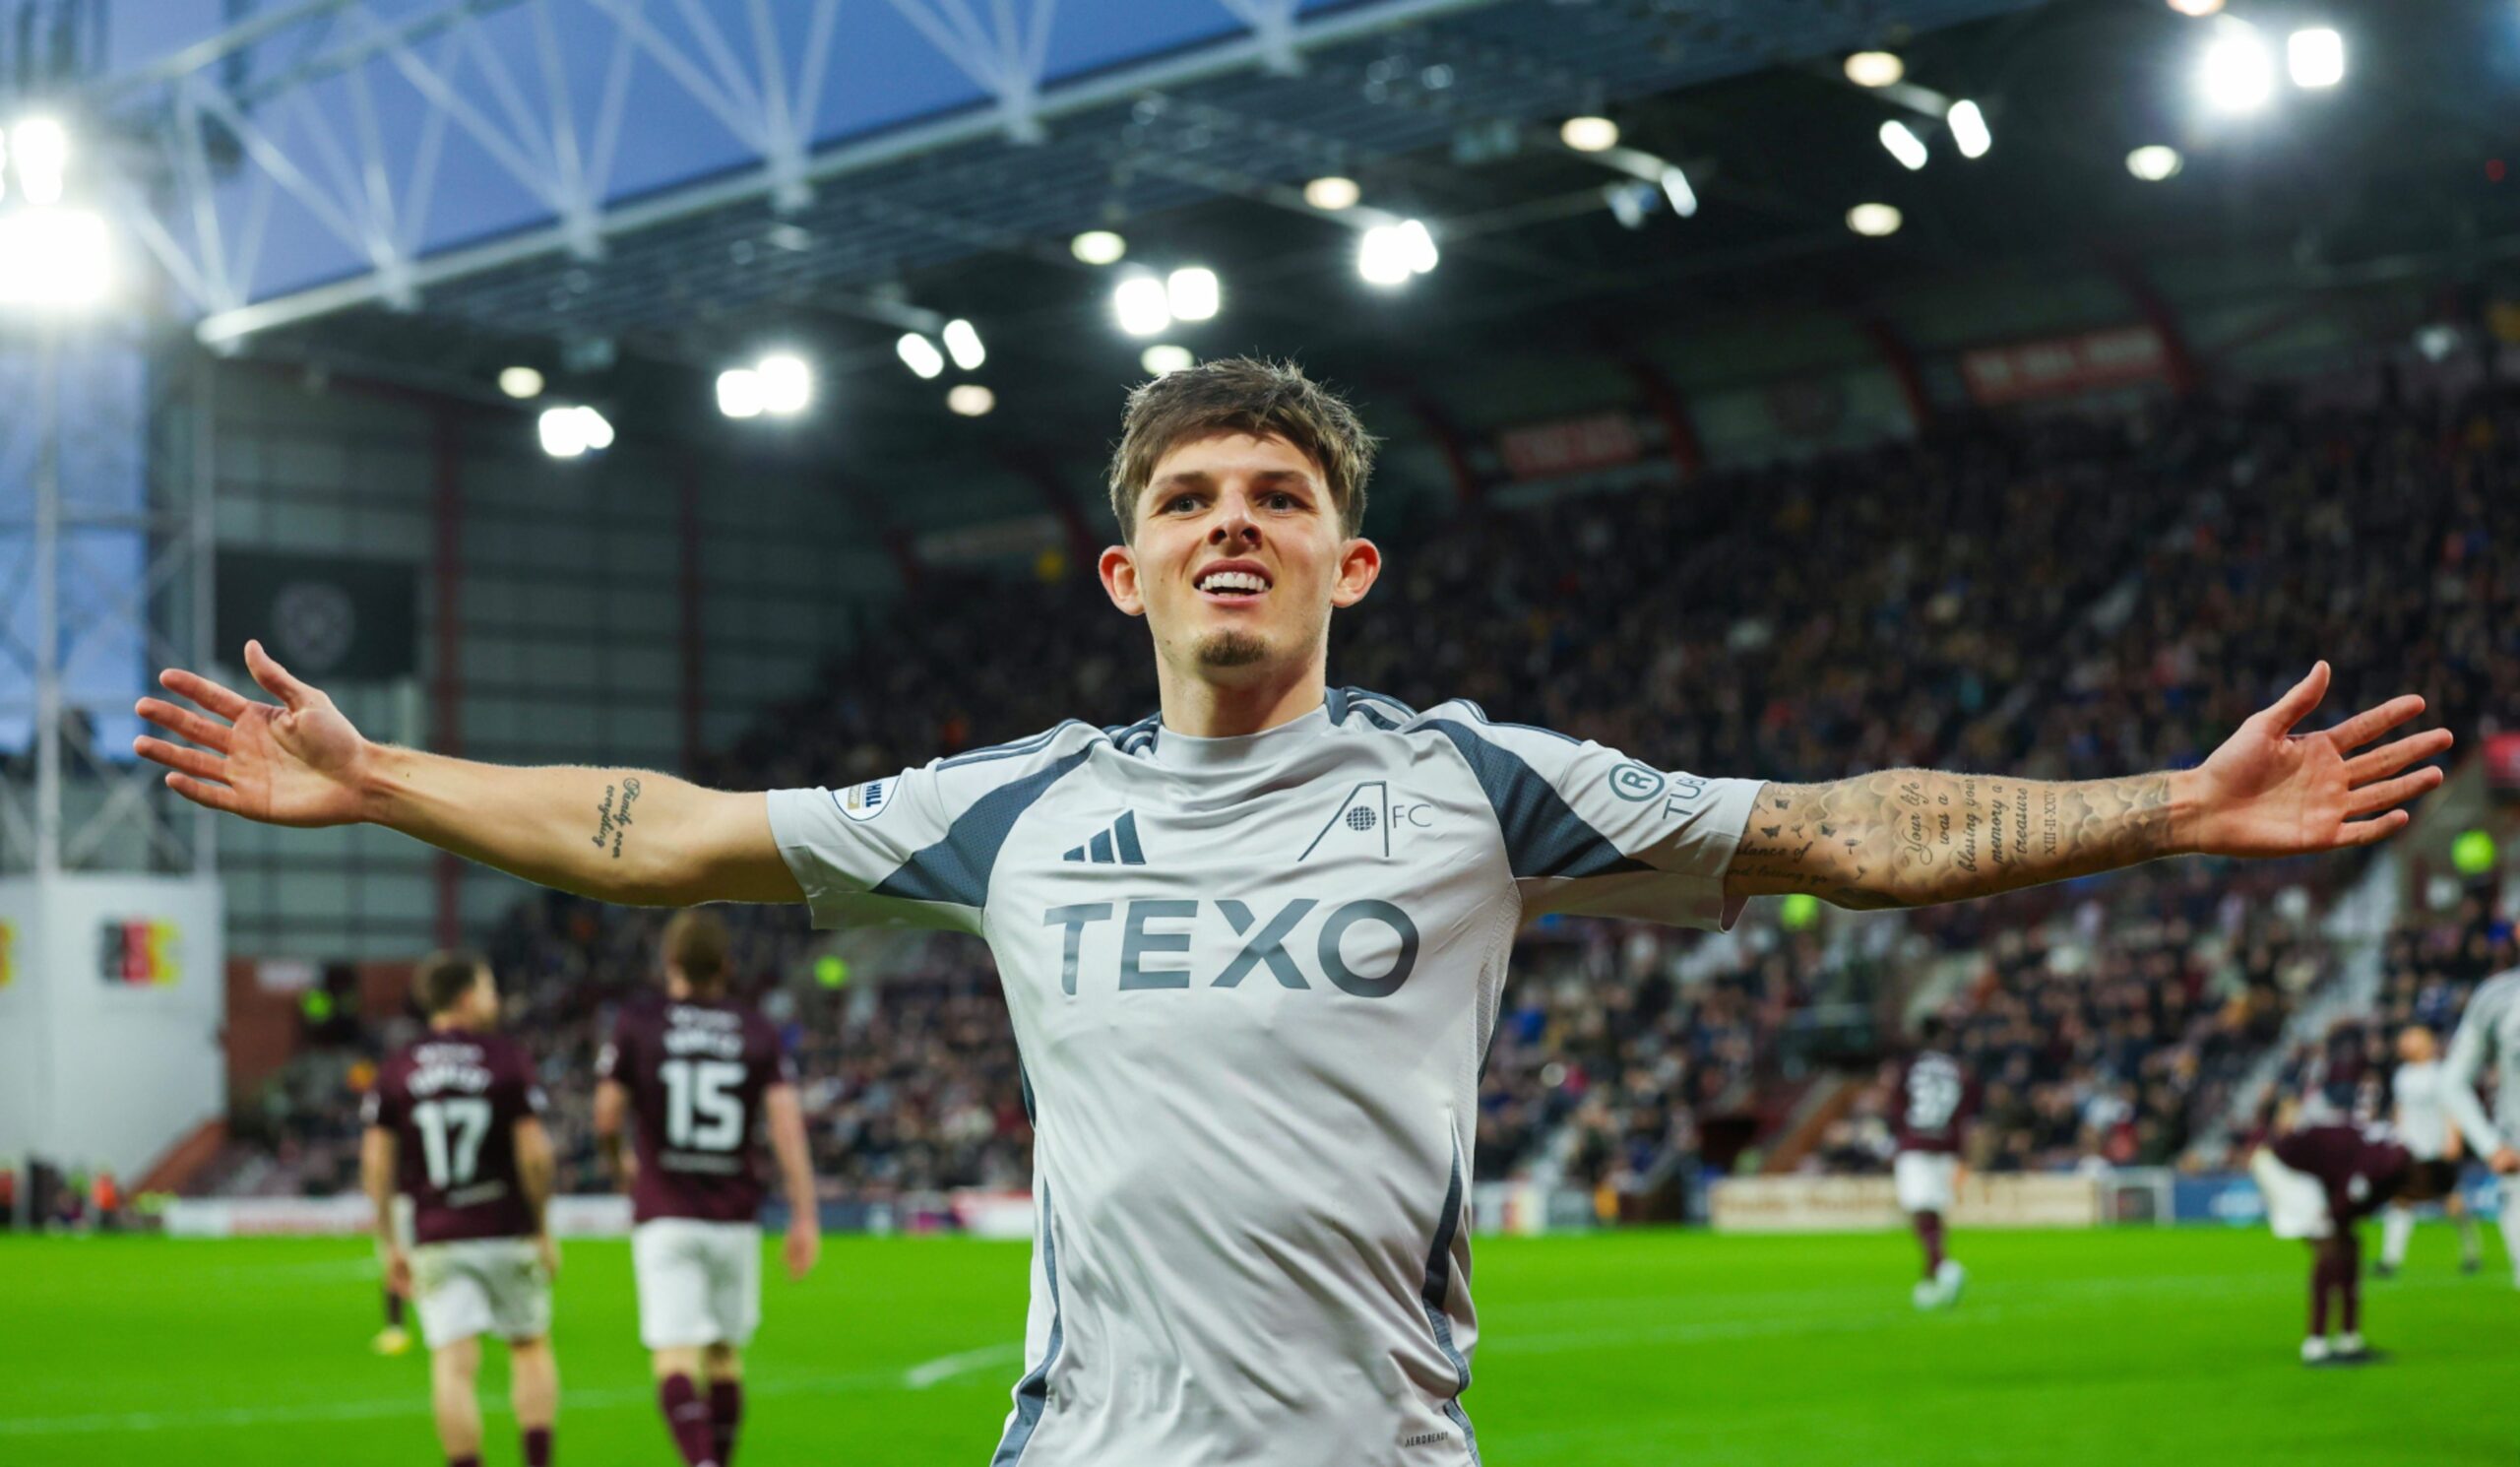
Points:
point(611, 818)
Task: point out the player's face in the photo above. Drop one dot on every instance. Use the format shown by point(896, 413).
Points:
point(1237, 557)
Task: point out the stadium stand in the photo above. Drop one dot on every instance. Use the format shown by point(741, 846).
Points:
point(2068, 596)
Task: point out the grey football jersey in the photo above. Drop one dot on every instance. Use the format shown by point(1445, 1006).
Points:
point(2489, 1035)
point(1252, 981)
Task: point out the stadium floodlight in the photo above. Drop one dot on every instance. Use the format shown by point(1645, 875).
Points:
point(920, 355)
point(2236, 72)
point(570, 432)
point(40, 149)
point(2154, 161)
point(1969, 130)
point(53, 259)
point(1676, 187)
point(2316, 57)
point(1587, 134)
point(1140, 304)
point(1192, 293)
point(963, 342)
point(1875, 220)
point(521, 382)
point(1389, 254)
point(1098, 247)
point(739, 392)
point(1875, 68)
point(2198, 9)
point(787, 383)
point(1904, 145)
point(1332, 193)
point(971, 400)
point(1163, 359)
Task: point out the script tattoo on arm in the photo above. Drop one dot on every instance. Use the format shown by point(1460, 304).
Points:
point(1914, 837)
point(612, 814)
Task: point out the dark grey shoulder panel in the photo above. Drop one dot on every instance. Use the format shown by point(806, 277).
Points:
point(956, 870)
point(1544, 836)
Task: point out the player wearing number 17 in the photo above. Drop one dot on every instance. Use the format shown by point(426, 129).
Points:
point(695, 1074)
point(455, 1122)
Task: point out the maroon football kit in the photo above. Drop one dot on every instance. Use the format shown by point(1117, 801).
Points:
point(2360, 1167)
point(695, 1070)
point(452, 1101)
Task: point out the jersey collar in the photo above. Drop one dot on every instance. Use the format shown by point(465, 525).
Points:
point(1187, 752)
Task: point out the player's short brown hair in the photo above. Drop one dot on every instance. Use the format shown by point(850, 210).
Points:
point(445, 977)
point(1242, 395)
point(695, 944)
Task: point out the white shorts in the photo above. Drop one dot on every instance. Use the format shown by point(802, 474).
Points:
point(699, 1283)
point(1924, 1179)
point(2296, 1203)
point(493, 1286)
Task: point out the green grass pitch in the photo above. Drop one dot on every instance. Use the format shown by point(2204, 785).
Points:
point(1634, 1348)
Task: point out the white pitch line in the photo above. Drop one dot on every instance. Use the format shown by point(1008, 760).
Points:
point(946, 1367)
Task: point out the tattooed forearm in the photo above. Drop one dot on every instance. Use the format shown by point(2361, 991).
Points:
point(612, 815)
point(1913, 837)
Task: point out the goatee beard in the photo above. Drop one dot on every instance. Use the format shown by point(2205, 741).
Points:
point(1231, 649)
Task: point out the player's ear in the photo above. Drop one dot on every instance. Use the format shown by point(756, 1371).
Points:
point(1118, 568)
point(1359, 565)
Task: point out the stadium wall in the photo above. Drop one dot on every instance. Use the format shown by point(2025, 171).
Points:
point(566, 639)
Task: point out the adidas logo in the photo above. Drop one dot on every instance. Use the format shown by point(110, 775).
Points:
point(1117, 846)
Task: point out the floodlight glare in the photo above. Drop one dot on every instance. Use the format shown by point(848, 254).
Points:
point(1098, 247)
point(1163, 359)
point(739, 392)
point(521, 382)
point(2197, 8)
point(1333, 193)
point(1141, 306)
point(1875, 68)
point(1676, 187)
point(2316, 57)
point(42, 151)
point(595, 428)
point(962, 340)
point(1904, 145)
point(1389, 254)
point(53, 259)
point(2154, 161)
point(1589, 134)
point(2236, 74)
point(787, 383)
point(1192, 293)
point(563, 432)
point(920, 355)
point(971, 400)
point(1969, 130)
point(1874, 220)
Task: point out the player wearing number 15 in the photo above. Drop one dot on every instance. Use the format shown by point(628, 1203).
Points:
point(455, 1122)
point(694, 1075)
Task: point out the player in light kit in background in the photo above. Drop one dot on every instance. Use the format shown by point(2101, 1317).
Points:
point(693, 1075)
point(2489, 1036)
point(1252, 945)
point(454, 1122)
point(1932, 1100)
point(2320, 1181)
point(2422, 1117)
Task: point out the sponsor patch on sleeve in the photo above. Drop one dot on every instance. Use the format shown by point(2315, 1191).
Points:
point(868, 801)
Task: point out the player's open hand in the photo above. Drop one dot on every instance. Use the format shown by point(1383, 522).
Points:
point(2505, 1161)
point(297, 763)
point(804, 1245)
point(2270, 792)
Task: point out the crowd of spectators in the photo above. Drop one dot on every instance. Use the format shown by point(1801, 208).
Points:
point(2059, 598)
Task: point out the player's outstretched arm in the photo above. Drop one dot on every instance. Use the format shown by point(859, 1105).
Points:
point(787, 1117)
point(620, 835)
point(1914, 837)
